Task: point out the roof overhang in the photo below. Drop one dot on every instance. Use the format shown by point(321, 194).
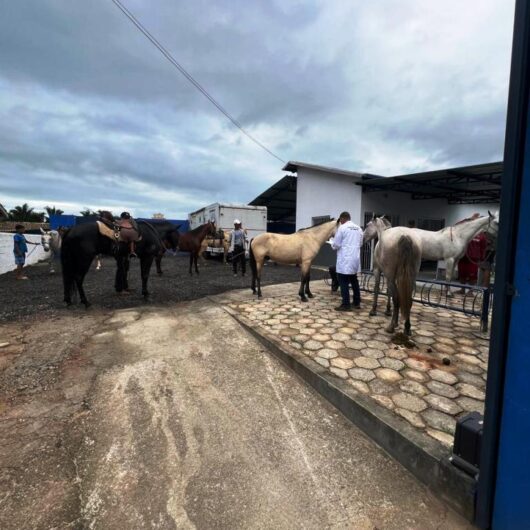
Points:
point(294, 166)
point(464, 185)
point(280, 200)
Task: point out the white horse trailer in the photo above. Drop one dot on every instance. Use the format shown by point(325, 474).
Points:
point(253, 219)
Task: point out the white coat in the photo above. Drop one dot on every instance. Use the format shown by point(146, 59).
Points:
point(347, 242)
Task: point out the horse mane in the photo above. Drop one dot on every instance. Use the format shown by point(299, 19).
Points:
point(315, 226)
point(463, 221)
point(196, 230)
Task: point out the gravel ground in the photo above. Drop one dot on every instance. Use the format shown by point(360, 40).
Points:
point(42, 294)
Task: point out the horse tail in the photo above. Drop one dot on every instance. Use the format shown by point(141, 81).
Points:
point(252, 260)
point(406, 271)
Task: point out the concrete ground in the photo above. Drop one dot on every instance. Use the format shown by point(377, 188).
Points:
point(175, 417)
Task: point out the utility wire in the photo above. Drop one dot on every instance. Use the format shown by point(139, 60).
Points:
point(189, 77)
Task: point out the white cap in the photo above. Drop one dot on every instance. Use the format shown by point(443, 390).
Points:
point(237, 222)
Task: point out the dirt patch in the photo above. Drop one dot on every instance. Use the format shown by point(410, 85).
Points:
point(42, 294)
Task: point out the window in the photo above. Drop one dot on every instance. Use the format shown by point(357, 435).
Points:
point(321, 219)
point(431, 224)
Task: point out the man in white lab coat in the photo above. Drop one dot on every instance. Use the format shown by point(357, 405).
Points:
point(347, 242)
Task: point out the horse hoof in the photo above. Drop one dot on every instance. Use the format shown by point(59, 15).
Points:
point(388, 313)
point(310, 295)
point(389, 329)
point(260, 297)
point(304, 299)
point(87, 304)
point(372, 313)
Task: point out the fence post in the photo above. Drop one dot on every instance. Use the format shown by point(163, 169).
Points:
point(485, 310)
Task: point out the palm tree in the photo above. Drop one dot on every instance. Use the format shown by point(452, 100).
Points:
point(87, 212)
point(52, 210)
point(25, 213)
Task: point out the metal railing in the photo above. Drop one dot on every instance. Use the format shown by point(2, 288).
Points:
point(476, 301)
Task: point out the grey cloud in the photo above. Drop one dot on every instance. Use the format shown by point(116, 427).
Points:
point(87, 105)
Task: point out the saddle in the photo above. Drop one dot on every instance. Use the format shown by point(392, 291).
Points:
point(108, 229)
point(112, 230)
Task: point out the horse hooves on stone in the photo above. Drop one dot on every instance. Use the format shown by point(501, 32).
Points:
point(389, 329)
point(388, 313)
point(372, 313)
point(304, 299)
point(310, 295)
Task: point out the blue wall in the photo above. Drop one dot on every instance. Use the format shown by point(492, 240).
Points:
point(512, 492)
point(67, 221)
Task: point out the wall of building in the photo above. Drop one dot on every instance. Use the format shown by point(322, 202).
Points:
point(402, 205)
point(320, 193)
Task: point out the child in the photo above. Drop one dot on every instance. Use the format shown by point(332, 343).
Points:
point(19, 249)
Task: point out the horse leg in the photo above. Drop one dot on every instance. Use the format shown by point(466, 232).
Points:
point(308, 292)
point(388, 311)
point(145, 268)
point(195, 258)
point(158, 262)
point(79, 278)
point(301, 290)
point(449, 271)
point(259, 267)
point(377, 277)
point(191, 262)
point(394, 320)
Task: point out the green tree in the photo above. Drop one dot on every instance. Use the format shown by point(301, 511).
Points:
point(87, 212)
point(25, 213)
point(52, 210)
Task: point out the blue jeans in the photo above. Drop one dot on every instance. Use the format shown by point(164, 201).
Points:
point(345, 280)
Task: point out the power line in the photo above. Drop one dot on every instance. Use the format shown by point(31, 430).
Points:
point(189, 77)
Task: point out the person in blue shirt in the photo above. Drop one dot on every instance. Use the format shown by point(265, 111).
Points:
point(20, 248)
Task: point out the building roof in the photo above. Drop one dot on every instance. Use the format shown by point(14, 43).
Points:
point(293, 168)
point(463, 185)
point(280, 200)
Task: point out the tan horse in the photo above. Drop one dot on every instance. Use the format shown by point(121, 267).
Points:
point(398, 256)
point(299, 248)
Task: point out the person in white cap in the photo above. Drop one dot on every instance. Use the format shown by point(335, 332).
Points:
point(237, 240)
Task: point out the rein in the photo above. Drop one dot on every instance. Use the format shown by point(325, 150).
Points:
point(153, 229)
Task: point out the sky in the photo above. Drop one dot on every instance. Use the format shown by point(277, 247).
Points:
point(93, 116)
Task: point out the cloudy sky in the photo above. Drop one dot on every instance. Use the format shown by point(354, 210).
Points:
point(91, 114)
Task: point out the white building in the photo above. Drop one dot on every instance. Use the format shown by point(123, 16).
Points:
point(429, 200)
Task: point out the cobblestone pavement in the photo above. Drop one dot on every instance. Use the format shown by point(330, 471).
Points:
point(413, 382)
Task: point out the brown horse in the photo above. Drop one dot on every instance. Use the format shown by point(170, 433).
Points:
point(192, 241)
point(299, 248)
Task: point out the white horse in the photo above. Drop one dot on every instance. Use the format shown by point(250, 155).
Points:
point(51, 242)
point(370, 233)
point(449, 244)
point(398, 256)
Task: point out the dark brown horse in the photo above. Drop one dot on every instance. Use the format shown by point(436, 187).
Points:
point(191, 242)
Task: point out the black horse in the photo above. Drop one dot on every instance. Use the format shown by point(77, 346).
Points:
point(83, 242)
